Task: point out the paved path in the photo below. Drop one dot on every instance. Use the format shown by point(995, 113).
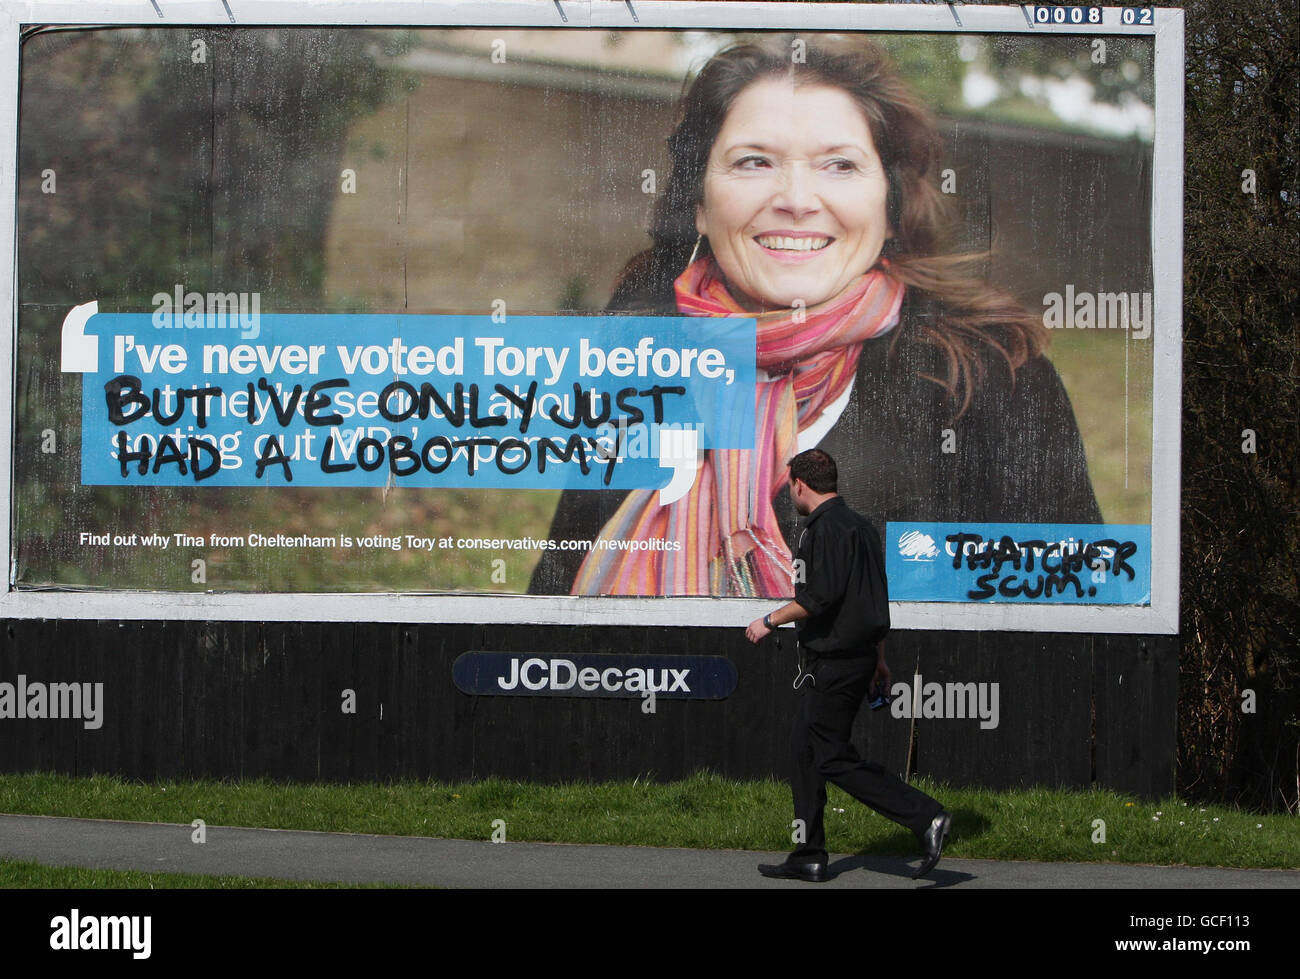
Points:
point(421, 861)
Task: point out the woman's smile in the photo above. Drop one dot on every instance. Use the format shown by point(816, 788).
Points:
point(792, 243)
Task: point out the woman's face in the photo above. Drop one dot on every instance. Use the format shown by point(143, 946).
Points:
point(794, 195)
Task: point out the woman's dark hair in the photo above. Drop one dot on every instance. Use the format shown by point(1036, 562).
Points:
point(959, 311)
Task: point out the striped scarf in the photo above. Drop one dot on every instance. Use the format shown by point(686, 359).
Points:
point(731, 543)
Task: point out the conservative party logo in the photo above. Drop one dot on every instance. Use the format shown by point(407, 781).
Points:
point(916, 546)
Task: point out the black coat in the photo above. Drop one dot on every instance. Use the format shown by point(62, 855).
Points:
point(843, 587)
point(1017, 453)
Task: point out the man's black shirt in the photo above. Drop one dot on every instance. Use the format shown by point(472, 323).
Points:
point(840, 580)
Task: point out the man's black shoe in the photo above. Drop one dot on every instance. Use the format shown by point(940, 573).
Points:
point(932, 841)
point(813, 872)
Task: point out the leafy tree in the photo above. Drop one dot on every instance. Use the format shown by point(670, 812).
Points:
point(1241, 509)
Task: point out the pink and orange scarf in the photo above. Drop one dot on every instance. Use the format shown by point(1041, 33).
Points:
point(731, 543)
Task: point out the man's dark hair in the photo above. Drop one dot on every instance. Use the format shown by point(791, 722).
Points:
point(816, 470)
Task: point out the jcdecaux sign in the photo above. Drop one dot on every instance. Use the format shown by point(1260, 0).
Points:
point(594, 675)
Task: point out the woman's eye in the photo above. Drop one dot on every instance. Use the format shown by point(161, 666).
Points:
point(842, 166)
point(751, 163)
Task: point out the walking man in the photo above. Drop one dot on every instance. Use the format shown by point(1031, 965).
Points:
point(841, 611)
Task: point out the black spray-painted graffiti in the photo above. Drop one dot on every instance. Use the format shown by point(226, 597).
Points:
point(1059, 564)
point(127, 402)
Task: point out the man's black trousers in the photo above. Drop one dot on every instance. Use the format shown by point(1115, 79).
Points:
point(826, 706)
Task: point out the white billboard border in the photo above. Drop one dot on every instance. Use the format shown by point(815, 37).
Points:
point(1160, 617)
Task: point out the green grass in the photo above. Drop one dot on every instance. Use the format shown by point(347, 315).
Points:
point(704, 811)
point(25, 874)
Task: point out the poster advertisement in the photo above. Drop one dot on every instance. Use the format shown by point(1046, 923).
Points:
point(487, 311)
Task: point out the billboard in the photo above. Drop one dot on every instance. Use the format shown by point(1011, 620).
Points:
point(519, 318)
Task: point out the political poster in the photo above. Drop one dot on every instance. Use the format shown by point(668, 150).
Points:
point(535, 317)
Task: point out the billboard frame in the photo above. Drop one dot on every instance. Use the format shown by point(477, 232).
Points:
point(1160, 617)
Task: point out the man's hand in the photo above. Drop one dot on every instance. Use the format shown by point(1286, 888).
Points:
point(790, 612)
point(881, 677)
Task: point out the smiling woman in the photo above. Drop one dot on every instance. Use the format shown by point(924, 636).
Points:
point(789, 217)
point(804, 193)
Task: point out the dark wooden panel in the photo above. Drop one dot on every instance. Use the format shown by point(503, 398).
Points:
point(339, 734)
point(208, 686)
point(1044, 711)
point(1135, 682)
point(264, 700)
point(18, 750)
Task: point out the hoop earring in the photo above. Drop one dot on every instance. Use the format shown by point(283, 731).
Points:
point(695, 251)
